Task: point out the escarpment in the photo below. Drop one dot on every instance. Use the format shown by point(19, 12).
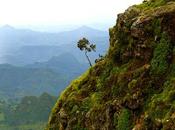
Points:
point(133, 87)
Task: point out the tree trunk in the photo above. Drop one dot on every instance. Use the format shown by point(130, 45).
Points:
point(88, 59)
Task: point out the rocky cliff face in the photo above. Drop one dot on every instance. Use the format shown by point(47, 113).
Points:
point(133, 87)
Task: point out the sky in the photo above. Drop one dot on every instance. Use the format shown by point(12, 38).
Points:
point(61, 12)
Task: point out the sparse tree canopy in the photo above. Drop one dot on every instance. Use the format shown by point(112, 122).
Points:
point(84, 45)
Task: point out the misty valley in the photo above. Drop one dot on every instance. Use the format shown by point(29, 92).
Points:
point(56, 74)
point(35, 67)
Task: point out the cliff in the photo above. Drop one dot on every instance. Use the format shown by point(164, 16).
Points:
point(133, 87)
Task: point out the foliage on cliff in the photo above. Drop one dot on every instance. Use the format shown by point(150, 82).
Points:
point(133, 87)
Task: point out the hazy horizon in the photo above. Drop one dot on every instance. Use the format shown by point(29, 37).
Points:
point(61, 15)
point(60, 28)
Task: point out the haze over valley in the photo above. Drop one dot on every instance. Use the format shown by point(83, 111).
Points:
point(40, 56)
point(33, 63)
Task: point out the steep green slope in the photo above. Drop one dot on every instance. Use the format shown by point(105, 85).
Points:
point(134, 86)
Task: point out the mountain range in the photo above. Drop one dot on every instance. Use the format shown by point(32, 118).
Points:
point(17, 82)
point(19, 37)
point(24, 46)
point(33, 79)
point(36, 62)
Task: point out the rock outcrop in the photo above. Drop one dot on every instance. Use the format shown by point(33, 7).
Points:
point(133, 87)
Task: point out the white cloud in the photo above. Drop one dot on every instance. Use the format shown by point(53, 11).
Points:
point(16, 12)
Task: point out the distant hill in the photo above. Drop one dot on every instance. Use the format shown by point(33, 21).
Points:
point(29, 110)
point(63, 64)
point(84, 31)
point(22, 46)
point(30, 54)
point(46, 59)
point(16, 82)
point(19, 37)
point(30, 113)
point(51, 76)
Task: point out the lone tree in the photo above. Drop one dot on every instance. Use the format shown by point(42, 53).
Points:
point(84, 45)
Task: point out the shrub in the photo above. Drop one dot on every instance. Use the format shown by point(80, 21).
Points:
point(123, 120)
point(159, 62)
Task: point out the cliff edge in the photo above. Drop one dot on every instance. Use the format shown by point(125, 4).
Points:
point(133, 87)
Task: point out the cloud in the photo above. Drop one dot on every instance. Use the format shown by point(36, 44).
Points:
point(16, 12)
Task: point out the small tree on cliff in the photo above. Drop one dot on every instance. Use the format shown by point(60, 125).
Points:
point(84, 45)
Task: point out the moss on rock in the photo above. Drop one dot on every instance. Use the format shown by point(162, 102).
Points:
point(133, 86)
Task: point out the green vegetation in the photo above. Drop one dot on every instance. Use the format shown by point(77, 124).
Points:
point(124, 120)
point(159, 63)
point(163, 104)
point(147, 4)
point(1, 117)
point(84, 45)
point(32, 81)
point(30, 113)
point(35, 126)
point(133, 86)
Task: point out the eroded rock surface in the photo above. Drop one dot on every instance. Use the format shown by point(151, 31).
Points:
point(133, 87)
